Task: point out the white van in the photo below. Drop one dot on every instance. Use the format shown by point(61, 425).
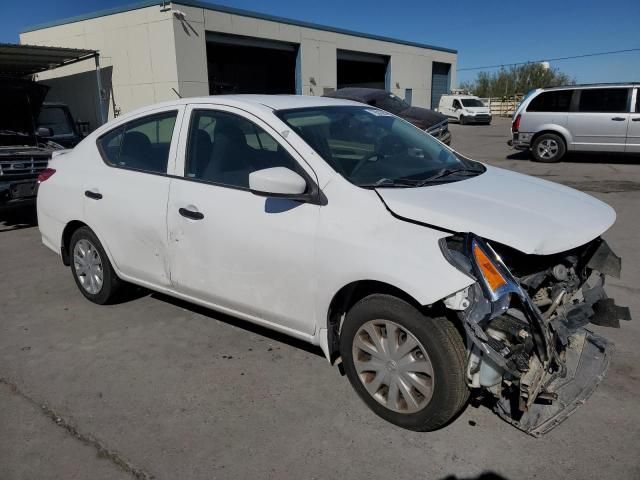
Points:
point(465, 109)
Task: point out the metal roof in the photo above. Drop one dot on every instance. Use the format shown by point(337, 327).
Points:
point(22, 60)
point(234, 11)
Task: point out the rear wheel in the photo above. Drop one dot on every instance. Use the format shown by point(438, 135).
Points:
point(91, 269)
point(407, 367)
point(548, 148)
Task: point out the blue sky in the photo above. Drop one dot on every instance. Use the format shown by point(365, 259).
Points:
point(484, 33)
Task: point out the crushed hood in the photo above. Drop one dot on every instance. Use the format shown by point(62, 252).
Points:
point(526, 213)
point(20, 102)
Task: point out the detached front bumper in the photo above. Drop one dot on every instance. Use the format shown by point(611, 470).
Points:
point(586, 361)
point(538, 366)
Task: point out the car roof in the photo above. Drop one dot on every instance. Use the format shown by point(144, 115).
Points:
point(269, 102)
point(593, 85)
point(359, 93)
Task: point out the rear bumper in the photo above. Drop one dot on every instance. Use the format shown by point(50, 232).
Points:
point(18, 192)
point(520, 140)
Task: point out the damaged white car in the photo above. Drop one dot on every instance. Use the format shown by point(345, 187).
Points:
point(424, 275)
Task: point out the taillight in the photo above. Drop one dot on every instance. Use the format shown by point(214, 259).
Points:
point(45, 174)
point(515, 126)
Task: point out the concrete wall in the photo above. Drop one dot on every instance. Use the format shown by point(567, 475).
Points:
point(137, 55)
point(146, 52)
point(410, 66)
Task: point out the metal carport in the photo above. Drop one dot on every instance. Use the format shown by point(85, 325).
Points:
point(25, 60)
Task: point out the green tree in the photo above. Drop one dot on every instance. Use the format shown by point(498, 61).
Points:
point(516, 79)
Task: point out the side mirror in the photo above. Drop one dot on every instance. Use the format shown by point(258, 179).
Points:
point(44, 132)
point(276, 182)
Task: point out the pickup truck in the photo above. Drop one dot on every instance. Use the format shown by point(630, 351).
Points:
point(25, 149)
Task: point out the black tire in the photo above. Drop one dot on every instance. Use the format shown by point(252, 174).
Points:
point(444, 348)
point(462, 120)
point(548, 148)
point(111, 284)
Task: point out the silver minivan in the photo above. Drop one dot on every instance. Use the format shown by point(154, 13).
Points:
point(588, 118)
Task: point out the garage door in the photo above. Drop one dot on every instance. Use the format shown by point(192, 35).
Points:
point(358, 69)
point(250, 65)
point(440, 82)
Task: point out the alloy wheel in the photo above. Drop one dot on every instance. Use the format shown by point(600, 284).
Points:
point(548, 148)
point(393, 366)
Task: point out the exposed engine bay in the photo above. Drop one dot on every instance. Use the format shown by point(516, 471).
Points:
point(525, 321)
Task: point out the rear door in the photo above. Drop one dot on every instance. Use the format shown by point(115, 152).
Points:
point(599, 119)
point(633, 131)
point(126, 195)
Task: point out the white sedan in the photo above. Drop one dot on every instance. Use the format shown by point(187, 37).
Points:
point(423, 274)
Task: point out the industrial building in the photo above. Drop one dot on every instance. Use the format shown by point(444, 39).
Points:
point(151, 52)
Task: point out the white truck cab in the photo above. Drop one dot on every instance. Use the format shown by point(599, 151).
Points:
point(464, 109)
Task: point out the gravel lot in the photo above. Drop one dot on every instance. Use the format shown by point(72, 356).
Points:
point(157, 388)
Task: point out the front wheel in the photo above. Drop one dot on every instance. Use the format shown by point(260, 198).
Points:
point(463, 120)
point(91, 268)
point(407, 367)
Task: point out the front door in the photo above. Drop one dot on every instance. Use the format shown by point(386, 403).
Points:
point(599, 123)
point(240, 252)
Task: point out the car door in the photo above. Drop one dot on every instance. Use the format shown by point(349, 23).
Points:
point(599, 118)
point(243, 253)
point(126, 196)
point(633, 130)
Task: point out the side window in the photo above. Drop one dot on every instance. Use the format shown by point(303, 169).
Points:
point(638, 100)
point(456, 104)
point(608, 100)
point(552, 101)
point(225, 148)
point(142, 144)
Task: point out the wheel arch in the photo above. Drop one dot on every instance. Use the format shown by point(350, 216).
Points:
point(345, 298)
point(65, 242)
point(562, 132)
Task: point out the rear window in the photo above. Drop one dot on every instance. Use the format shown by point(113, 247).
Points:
point(608, 100)
point(552, 101)
point(142, 144)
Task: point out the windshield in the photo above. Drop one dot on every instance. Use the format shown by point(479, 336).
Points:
point(56, 119)
point(392, 104)
point(371, 147)
point(472, 102)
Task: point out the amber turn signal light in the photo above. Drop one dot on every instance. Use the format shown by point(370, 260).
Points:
point(494, 278)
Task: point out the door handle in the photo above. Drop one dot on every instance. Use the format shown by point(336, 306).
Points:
point(190, 214)
point(93, 195)
point(618, 119)
point(637, 119)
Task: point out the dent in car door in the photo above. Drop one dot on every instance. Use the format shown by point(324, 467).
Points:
point(126, 195)
point(633, 130)
point(599, 121)
point(238, 251)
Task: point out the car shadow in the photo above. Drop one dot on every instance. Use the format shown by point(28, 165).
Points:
point(482, 476)
point(239, 323)
point(17, 218)
point(585, 157)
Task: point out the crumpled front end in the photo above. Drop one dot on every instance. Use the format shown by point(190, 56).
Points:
point(525, 320)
